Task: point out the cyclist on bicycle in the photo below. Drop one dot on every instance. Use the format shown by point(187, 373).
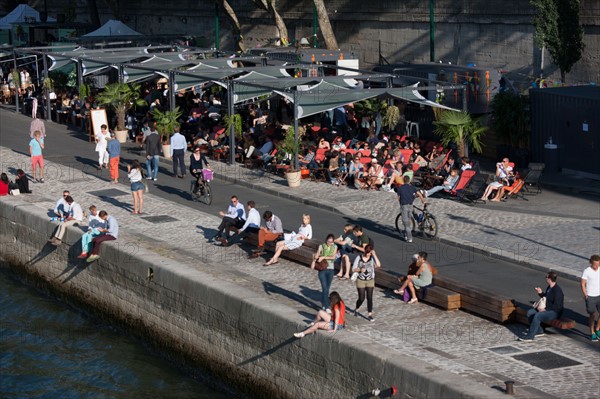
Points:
point(197, 162)
point(406, 197)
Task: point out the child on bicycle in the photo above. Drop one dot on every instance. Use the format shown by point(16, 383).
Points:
point(198, 162)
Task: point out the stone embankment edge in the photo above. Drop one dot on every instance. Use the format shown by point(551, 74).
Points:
point(484, 250)
point(199, 319)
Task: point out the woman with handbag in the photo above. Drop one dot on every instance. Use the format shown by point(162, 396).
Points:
point(323, 261)
point(364, 268)
point(328, 321)
point(136, 175)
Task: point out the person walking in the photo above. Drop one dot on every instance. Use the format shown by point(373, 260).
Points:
point(153, 149)
point(406, 197)
point(365, 265)
point(178, 147)
point(590, 287)
point(113, 147)
point(101, 144)
point(552, 309)
point(37, 124)
point(326, 252)
point(136, 175)
point(36, 145)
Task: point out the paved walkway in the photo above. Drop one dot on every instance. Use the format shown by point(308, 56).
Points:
point(542, 237)
point(473, 348)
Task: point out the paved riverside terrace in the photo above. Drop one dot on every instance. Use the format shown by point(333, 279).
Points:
point(473, 348)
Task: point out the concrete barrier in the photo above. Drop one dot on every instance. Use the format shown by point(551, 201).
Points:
point(199, 320)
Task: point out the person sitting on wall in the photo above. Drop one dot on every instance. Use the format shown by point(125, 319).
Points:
point(110, 233)
point(75, 216)
point(61, 209)
point(95, 226)
point(326, 321)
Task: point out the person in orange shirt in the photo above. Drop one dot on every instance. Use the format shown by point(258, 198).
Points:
point(331, 322)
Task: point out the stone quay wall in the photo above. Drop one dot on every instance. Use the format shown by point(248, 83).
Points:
point(492, 34)
point(196, 319)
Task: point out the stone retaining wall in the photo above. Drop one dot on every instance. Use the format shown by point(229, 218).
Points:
point(200, 320)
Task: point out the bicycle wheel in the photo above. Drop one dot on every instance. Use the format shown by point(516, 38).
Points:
point(399, 225)
point(430, 227)
point(206, 196)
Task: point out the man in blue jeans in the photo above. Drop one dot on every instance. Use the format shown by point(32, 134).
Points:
point(552, 310)
point(153, 149)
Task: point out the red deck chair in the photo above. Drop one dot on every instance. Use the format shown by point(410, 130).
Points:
point(513, 190)
point(463, 182)
point(320, 155)
point(406, 155)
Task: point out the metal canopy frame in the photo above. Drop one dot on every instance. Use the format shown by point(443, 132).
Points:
point(310, 95)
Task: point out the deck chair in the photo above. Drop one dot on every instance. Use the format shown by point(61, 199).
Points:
point(464, 181)
point(476, 188)
point(513, 190)
point(532, 179)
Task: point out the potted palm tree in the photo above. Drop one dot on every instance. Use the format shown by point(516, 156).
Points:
point(121, 97)
point(460, 128)
point(165, 123)
point(289, 147)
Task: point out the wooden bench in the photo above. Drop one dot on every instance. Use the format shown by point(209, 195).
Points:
point(560, 324)
point(481, 302)
point(303, 255)
point(434, 295)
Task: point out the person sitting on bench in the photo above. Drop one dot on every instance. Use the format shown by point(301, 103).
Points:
point(422, 278)
point(545, 312)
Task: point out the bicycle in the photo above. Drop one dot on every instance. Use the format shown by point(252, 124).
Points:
point(422, 222)
point(200, 188)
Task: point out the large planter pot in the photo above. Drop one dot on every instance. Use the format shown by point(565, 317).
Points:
point(293, 178)
point(166, 151)
point(121, 135)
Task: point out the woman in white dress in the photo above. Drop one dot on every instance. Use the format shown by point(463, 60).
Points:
point(293, 240)
point(101, 143)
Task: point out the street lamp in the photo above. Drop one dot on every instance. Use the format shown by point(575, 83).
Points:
point(431, 32)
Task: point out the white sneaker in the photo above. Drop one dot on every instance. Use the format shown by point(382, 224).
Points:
point(408, 240)
point(299, 335)
point(328, 311)
point(155, 179)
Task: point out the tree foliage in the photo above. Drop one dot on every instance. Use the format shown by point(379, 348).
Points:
point(510, 118)
point(121, 97)
point(558, 28)
point(460, 128)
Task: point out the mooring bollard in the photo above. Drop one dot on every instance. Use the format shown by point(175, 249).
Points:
point(509, 387)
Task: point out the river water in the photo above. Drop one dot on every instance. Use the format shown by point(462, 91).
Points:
point(49, 350)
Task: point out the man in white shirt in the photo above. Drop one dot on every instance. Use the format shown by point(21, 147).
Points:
point(75, 216)
point(61, 209)
point(234, 218)
point(590, 286)
point(178, 147)
point(252, 225)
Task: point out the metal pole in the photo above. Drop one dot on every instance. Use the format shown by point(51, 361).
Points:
point(431, 32)
point(16, 81)
point(230, 112)
point(217, 27)
point(121, 73)
point(80, 75)
point(46, 92)
point(295, 166)
point(465, 107)
point(315, 40)
point(172, 91)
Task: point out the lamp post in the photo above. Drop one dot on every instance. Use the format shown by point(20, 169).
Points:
point(315, 39)
point(431, 32)
point(216, 26)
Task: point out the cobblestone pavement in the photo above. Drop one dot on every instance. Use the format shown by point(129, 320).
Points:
point(476, 349)
point(542, 241)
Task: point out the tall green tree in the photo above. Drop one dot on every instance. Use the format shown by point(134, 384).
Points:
point(558, 28)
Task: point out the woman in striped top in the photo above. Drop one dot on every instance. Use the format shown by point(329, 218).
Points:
point(364, 268)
